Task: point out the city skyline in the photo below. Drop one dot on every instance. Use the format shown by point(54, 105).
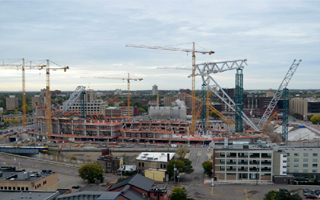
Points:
point(90, 37)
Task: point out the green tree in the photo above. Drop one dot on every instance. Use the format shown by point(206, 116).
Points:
point(315, 119)
point(178, 193)
point(282, 194)
point(91, 172)
point(207, 167)
point(182, 151)
point(182, 165)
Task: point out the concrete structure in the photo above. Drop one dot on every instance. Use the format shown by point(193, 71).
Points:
point(243, 164)
point(21, 180)
point(12, 103)
point(305, 107)
point(304, 160)
point(109, 163)
point(158, 175)
point(169, 112)
point(255, 104)
point(155, 160)
point(92, 105)
point(35, 101)
point(280, 163)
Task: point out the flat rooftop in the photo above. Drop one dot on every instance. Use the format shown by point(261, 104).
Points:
point(11, 174)
point(12, 195)
point(155, 156)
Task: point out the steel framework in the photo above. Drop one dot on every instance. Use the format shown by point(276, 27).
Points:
point(75, 95)
point(239, 100)
point(206, 70)
point(279, 92)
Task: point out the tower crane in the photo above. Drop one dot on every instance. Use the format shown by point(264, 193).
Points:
point(24, 98)
point(48, 111)
point(128, 79)
point(194, 52)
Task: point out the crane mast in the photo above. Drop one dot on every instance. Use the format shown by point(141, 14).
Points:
point(24, 98)
point(23, 94)
point(267, 113)
point(193, 51)
point(48, 111)
point(128, 79)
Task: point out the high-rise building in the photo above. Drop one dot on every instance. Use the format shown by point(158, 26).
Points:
point(12, 102)
point(154, 90)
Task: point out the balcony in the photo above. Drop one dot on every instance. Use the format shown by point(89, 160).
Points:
point(266, 155)
point(266, 163)
point(254, 162)
point(242, 169)
point(243, 162)
point(232, 155)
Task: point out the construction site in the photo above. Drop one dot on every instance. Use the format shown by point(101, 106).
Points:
point(212, 113)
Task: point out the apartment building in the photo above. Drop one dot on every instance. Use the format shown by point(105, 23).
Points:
point(303, 160)
point(12, 102)
point(243, 164)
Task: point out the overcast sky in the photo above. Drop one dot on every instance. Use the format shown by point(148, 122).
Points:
point(90, 37)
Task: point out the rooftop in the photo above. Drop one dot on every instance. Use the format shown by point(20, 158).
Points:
point(11, 174)
point(155, 156)
point(28, 195)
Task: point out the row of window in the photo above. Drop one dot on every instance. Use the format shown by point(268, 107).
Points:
point(304, 154)
point(14, 188)
point(304, 160)
point(305, 165)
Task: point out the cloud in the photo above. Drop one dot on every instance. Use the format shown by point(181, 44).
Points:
point(90, 37)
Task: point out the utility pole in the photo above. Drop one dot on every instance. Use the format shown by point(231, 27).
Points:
point(213, 166)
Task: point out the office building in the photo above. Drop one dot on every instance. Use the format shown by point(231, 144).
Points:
point(12, 103)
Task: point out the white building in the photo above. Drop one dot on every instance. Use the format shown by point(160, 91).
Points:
point(154, 90)
point(179, 111)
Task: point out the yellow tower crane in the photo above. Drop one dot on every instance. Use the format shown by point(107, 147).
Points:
point(193, 51)
point(128, 79)
point(24, 99)
point(48, 111)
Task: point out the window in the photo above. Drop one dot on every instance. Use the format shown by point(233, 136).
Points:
point(305, 160)
point(305, 154)
point(315, 154)
point(296, 154)
point(305, 164)
point(314, 171)
point(314, 165)
point(315, 160)
point(296, 165)
point(296, 160)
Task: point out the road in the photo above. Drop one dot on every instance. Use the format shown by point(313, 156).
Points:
point(194, 182)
